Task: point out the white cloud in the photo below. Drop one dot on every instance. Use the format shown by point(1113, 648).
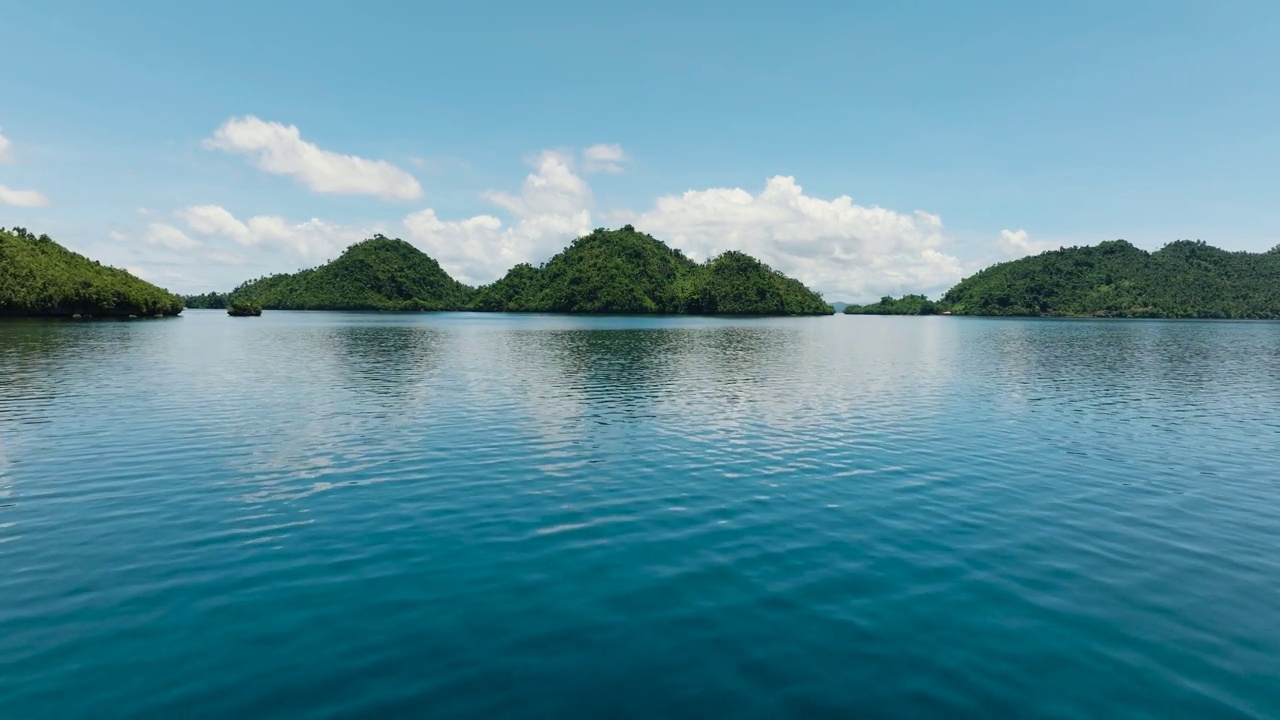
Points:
point(1017, 243)
point(841, 248)
point(17, 198)
point(22, 198)
point(280, 149)
point(311, 240)
point(845, 250)
point(604, 158)
point(164, 277)
point(553, 207)
point(168, 236)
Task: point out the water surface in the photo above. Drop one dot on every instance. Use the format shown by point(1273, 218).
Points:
point(313, 515)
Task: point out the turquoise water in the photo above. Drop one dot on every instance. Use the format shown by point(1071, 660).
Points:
point(365, 515)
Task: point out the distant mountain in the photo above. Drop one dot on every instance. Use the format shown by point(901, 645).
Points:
point(39, 277)
point(377, 274)
point(839, 306)
point(207, 301)
point(1184, 279)
point(625, 271)
point(905, 305)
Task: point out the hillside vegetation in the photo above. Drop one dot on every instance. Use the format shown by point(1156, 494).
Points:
point(625, 271)
point(377, 274)
point(1184, 279)
point(39, 277)
point(607, 271)
point(905, 305)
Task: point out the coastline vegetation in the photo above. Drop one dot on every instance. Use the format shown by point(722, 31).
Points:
point(1184, 279)
point(905, 305)
point(39, 277)
point(244, 308)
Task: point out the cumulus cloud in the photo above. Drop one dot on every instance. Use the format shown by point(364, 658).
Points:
point(836, 246)
point(1017, 243)
point(314, 239)
point(846, 250)
point(22, 198)
point(168, 236)
point(604, 158)
point(280, 149)
point(552, 207)
point(6, 149)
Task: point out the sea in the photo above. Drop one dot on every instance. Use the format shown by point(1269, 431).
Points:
point(454, 515)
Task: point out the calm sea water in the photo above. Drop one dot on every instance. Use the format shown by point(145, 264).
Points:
point(341, 515)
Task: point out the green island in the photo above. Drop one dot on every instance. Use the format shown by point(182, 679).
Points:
point(608, 271)
point(40, 278)
point(1184, 279)
point(375, 274)
point(905, 305)
point(244, 308)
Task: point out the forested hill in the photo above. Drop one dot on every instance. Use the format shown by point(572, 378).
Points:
point(625, 271)
point(1184, 279)
point(377, 274)
point(39, 277)
point(905, 305)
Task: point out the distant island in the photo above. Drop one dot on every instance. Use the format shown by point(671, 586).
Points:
point(1184, 279)
point(40, 278)
point(905, 305)
point(608, 271)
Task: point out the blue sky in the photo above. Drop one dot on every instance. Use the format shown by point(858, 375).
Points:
point(862, 147)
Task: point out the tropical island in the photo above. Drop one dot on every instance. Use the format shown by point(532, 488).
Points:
point(40, 278)
point(1184, 279)
point(244, 308)
point(607, 271)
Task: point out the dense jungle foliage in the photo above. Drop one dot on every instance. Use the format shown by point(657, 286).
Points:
point(207, 301)
point(1184, 279)
point(625, 271)
point(39, 277)
point(905, 305)
point(376, 274)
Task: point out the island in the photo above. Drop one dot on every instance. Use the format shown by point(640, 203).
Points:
point(1184, 279)
point(40, 278)
point(905, 305)
point(626, 271)
point(244, 308)
point(376, 274)
point(620, 271)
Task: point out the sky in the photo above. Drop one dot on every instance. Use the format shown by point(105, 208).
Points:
point(863, 148)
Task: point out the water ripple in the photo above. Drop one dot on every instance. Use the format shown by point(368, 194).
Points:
point(327, 515)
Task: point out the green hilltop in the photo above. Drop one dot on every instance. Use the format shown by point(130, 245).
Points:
point(625, 271)
point(606, 271)
point(377, 274)
point(1184, 279)
point(39, 277)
